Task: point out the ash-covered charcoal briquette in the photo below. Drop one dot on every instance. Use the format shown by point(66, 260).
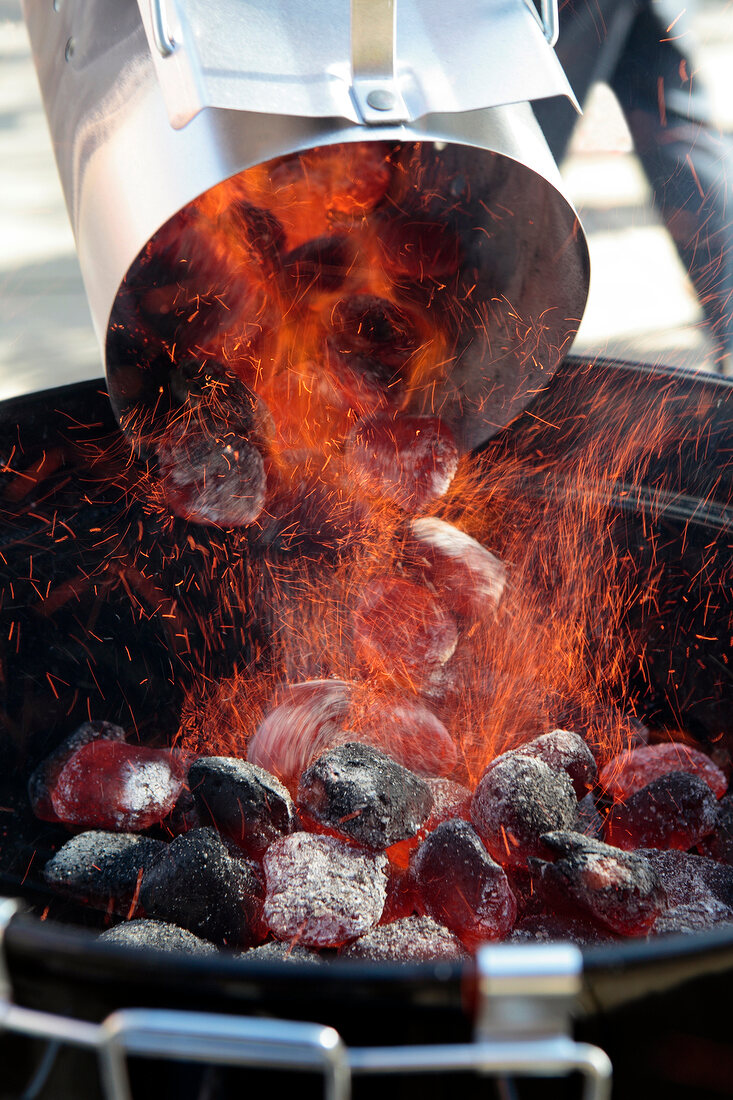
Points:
point(628, 772)
point(588, 819)
point(411, 939)
point(719, 843)
point(465, 575)
point(198, 885)
point(674, 811)
point(364, 794)
point(242, 800)
point(461, 886)
point(620, 890)
point(322, 892)
point(687, 877)
point(410, 460)
point(209, 476)
point(102, 868)
point(517, 800)
point(43, 779)
point(564, 751)
point(695, 916)
point(699, 891)
point(158, 935)
point(113, 785)
point(558, 928)
point(450, 799)
point(279, 951)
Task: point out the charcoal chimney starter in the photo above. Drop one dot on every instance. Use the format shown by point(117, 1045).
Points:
point(164, 112)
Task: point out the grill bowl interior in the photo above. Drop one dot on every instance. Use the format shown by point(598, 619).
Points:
point(680, 512)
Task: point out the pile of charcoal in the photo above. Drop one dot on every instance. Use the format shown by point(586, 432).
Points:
point(368, 859)
point(332, 269)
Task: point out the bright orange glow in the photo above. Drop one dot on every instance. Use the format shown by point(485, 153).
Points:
point(358, 316)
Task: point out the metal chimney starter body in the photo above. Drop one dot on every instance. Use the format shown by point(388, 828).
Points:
point(152, 104)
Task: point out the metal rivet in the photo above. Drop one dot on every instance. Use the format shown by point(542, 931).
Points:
point(69, 51)
point(381, 100)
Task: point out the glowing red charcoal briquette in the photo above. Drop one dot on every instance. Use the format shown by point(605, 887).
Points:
point(401, 630)
point(616, 889)
point(409, 460)
point(44, 778)
point(112, 785)
point(409, 732)
point(461, 886)
point(676, 810)
point(462, 571)
point(217, 479)
point(308, 719)
point(628, 772)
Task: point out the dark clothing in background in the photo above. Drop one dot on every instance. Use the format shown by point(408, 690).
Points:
point(645, 51)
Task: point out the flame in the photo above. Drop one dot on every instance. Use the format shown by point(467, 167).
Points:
point(359, 318)
point(556, 653)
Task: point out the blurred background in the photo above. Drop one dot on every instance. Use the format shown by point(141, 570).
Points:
point(641, 307)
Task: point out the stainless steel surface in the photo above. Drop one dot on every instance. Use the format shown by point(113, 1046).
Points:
point(527, 991)
point(114, 105)
point(527, 996)
point(8, 908)
point(286, 57)
point(375, 87)
point(551, 20)
point(537, 971)
point(165, 43)
point(220, 1040)
point(508, 975)
point(640, 307)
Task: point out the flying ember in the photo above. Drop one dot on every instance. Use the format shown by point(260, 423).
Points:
point(407, 678)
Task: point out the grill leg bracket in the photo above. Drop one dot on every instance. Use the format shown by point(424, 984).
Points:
point(526, 998)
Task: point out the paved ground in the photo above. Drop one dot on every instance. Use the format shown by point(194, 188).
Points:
point(45, 329)
point(641, 304)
